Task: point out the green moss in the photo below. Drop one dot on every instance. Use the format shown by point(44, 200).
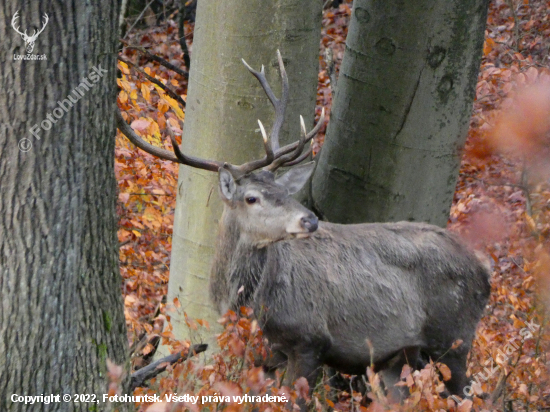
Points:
point(102, 351)
point(107, 321)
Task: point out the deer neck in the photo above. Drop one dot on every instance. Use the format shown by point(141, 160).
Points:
point(238, 267)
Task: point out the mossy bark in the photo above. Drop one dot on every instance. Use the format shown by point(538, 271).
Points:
point(401, 111)
point(61, 309)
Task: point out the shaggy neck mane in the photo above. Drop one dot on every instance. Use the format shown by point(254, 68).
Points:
point(237, 269)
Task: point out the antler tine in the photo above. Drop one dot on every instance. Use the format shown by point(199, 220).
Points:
point(300, 158)
point(192, 161)
point(260, 75)
point(255, 164)
point(317, 127)
point(291, 146)
point(279, 104)
point(280, 108)
point(267, 144)
point(285, 158)
point(279, 161)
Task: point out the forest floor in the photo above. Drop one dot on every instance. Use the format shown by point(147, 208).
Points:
point(501, 205)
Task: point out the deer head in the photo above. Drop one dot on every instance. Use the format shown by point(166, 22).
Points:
point(257, 202)
point(261, 207)
point(29, 40)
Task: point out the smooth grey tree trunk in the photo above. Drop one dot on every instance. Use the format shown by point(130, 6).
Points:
point(61, 311)
point(401, 111)
point(224, 102)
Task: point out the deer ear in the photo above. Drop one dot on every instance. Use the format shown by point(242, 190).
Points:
point(227, 184)
point(296, 177)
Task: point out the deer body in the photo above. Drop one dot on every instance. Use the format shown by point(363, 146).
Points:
point(404, 287)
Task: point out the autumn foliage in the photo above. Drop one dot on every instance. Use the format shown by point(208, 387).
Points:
point(501, 206)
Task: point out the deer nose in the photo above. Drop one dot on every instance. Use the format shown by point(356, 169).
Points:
point(310, 223)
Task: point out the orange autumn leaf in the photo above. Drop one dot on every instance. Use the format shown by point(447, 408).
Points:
point(145, 92)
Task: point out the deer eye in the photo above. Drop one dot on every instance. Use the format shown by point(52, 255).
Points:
point(251, 200)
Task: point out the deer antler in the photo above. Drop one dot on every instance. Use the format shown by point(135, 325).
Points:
point(279, 105)
point(275, 157)
point(291, 153)
point(179, 157)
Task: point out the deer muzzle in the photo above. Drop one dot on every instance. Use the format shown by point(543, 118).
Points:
point(309, 223)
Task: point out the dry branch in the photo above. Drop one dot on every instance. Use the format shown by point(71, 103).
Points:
point(164, 87)
point(142, 375)
point(158, 59)
point(181, 33)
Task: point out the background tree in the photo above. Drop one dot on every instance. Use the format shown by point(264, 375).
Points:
point(62, 314)
point(401, 111)
point(223, 104)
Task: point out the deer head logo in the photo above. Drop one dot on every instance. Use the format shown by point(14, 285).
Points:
point(29, 40)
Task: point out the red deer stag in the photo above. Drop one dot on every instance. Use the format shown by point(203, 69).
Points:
point(347, 296)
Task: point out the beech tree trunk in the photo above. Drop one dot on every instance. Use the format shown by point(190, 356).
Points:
point(224, 102)
point(61, 311)
point(401, 111)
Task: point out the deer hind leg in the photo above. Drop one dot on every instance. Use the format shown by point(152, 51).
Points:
point(391, 374)
point(277, 360)
point(306, 363)
point(456, 360)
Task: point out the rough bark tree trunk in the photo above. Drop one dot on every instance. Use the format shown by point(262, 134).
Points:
point(61, 311)
point(401, 111)
point(224, 102)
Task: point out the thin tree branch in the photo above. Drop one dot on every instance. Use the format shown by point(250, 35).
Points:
point(525, 185)
point(142, 375)
point(156, 58)
point(512, 7)
point(139, 18)
point(499, 388)
point(164, 87)
point(181, 33)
